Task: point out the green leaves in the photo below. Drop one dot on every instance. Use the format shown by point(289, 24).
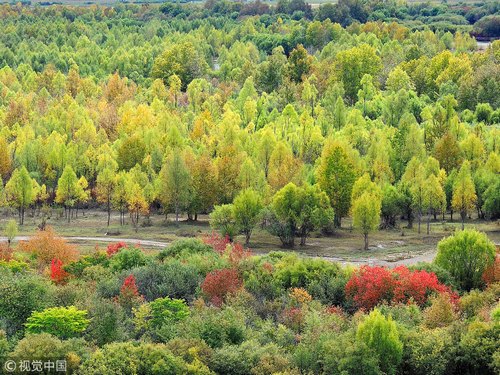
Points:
point(63, 322)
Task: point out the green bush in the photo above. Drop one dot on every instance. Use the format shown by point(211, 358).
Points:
point(20, 294)
point(63, 322)
point(381, 335)
point(44, 347)
point(183, 248)
point(466, 255)
point(127, 258)
point(129, 359)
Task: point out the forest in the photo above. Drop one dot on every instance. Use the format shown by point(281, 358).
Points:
point(260, 142)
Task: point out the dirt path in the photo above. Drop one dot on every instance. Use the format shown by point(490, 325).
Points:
point(426, 257)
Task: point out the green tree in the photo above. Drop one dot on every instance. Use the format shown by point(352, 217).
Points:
point(19, 191)
point(182, 60)
point(63, 322)
point(175, 182)
point(466, 255)
point(11, 231)
point(464, 192)
point(336, 175)
point(106, 183)
point(366, 214)
point(381, 335)
point(247, 207)
point(434, 198)
point(68, 190)
point(222, 219)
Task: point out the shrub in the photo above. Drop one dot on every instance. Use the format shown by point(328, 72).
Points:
point(219, 283)
point(371, 286)
point(127, 258)
point(113, 248)
point(183, 248)
point(429, 351)
point(57, 274)
point(129, 296)
point(78, 268)
point(108, 321)
point(477, 348)
point(63, 322)
point(45, 246)
point(45, 347)
point(174, 279)
point(129, 359)
point(381, 335)
point(466, 255)
point(443, 275)
point(20, 294)
point(14, 265)
point(440, 313)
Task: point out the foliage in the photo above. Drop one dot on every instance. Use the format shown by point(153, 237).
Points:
point(219, 283)
point(127, 258)
point(63, 322)
point(381, 335)
point(466, 255)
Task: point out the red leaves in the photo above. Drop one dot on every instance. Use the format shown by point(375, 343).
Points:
point(219, 283)
point(57, 273)
point(113, 248)
point(370, 286)
point(222, 245)
point(492, 273)
point(217, 242)
point(129, 293)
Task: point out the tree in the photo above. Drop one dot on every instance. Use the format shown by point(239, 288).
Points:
point(106, 182)
point(353, 64)
point(296, 211)
point(491, 197)
point(174, 184)
point(222, 218)
point(68, 190)
point(11, 231)
point(381, 335)
point(464, 192)
point(136, 203)
point(219, 283)
point(247, 207)
point(63, 322)
point(5, 162)
point(336, 175)
point(414, 181)
point(130, 152)
point(19, 191)
point(366, 214)
point(466, 255)
point(299, 63)
point(434, 198)
point(120, 194)
point(182, 60)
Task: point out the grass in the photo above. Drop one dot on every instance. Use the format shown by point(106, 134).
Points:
point(344, 245)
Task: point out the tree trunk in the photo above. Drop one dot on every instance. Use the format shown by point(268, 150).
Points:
point(247, 238)
point(419, 221)
point(366, 241)
point(463, 214)
point(428, 223)
point(109, 212)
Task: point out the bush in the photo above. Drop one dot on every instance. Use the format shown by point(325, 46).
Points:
point(371, 286)
point(429, 351)
point(20, 294)
point(174, 279)
point(44, 347)
point(63, 322)
point(129, 359)
point(183, 248)
point(108, 322)
point(127, 258)
point(466, 255)
point(45, 246)
point(219, 283)
point(381, 335)
point(443, 275)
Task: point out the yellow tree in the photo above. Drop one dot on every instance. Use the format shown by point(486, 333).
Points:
point(434, 198)
point(136, 203)
point(366, 214)
point(464, 192)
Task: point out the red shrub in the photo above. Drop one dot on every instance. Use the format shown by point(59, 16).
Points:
point(492, 273)
point(57, 273)
point(237, 253)
point(113, 248)
point(216, 241)
point(129, 294)
point(219, 283)
point(5, 252)
point(371, 286)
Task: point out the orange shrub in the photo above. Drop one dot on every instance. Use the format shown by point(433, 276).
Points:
point(45, 246)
